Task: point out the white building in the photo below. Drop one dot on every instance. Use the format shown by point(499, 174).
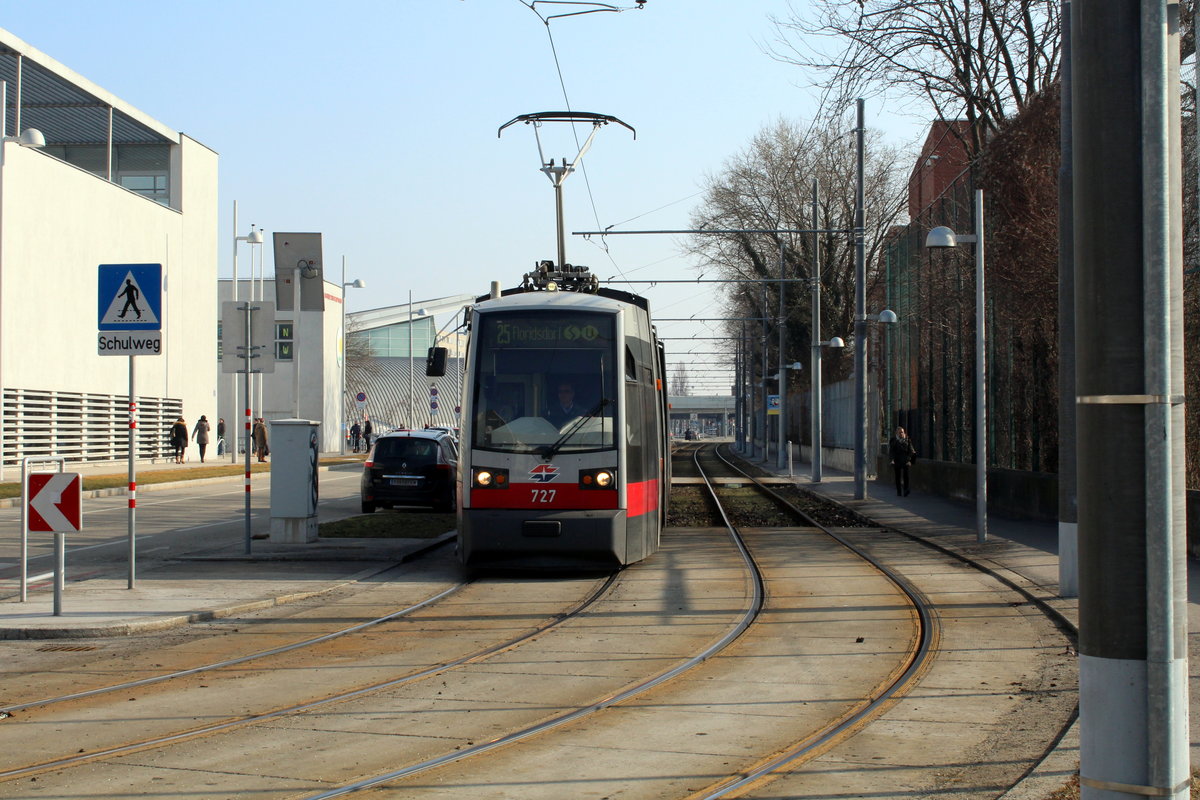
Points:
point(111, 186)
point(311, 343)
point(399, 337)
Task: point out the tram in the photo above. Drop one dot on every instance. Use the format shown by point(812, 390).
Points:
point(564, 457)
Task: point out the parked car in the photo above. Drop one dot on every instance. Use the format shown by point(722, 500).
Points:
point(452, 431)
point(411, 468)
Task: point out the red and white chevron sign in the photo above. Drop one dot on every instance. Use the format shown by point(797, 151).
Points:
point(53, 502)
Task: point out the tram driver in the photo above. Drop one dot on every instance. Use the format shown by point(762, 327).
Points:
point(563, 409)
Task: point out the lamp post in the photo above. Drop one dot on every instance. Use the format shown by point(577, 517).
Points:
point(254, 237)
point(836, 343)
point(30, 137)
point(941, 237)
point(862, 394)
point(357, 283)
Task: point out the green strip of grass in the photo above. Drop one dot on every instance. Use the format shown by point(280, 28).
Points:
point(389, 525)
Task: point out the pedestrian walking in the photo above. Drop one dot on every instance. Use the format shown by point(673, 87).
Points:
point(902, 454)
point(355, 436)
point(179, 439)
point(200, 434)
point(367, 434)
point(262, 447)
point(221, 436)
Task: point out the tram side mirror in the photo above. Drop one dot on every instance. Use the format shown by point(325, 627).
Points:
point(435, 362)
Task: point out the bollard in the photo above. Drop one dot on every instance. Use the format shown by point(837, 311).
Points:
point(789, 446)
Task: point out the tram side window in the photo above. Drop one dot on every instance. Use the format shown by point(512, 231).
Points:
point(630, 365)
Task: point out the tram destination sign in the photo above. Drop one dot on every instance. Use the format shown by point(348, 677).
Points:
point(548, 332)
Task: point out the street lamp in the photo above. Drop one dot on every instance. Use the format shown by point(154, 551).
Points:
point(254, 237)
point(943, 237)
point(357, 283)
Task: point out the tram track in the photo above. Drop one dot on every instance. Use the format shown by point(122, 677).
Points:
point(1013, 583)
point(598, 589)
point(914, 664)
point(750, 614)
point(899, 676)
point(740, 667)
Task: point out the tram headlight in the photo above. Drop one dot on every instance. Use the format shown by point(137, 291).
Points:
point(603, 478)
point(489, 478)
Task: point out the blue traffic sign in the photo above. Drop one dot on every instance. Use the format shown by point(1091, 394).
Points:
point(129, 297)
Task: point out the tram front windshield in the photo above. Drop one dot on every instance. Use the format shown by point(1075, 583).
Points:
point(545, 382)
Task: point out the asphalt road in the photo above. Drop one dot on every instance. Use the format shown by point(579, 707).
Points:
point(192, 518)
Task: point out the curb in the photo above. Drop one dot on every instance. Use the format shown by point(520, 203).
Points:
point(165, 623)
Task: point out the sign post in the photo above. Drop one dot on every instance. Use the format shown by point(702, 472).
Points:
point(129, 311)
point(247, 322)
point(51, 504)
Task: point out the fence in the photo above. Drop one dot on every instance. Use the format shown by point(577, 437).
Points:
point(83, 428)
point(929, 356)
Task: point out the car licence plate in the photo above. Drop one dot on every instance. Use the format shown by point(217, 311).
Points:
point(405, 481)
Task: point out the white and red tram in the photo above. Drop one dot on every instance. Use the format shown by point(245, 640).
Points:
point(565, 461)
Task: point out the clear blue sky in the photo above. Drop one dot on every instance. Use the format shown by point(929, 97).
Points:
point(375, 123)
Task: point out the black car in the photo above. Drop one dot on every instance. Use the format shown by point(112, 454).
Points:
point(411, 468)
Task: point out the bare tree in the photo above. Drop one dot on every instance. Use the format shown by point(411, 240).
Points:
point(768, 187)
point(680, 384)
point(982, 61)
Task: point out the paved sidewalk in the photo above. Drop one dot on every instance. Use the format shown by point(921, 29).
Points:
point(219, 583)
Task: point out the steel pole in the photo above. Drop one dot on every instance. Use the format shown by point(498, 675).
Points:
point(249, 422)
point(558, 208)
point(765, 427)
point(981, 450)
point(132, 500)
point(780, 455)
point(860, 324)
point(815, 381)
point(342, 395)
point(412, 416)
point(1133, 671)
point(1068, 507)
point(234, 378)
point(295, 339)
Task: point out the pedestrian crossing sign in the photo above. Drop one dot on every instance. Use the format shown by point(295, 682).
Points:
point(130, 297)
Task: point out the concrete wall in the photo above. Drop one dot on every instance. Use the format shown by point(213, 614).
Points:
point(1011, 493)
point(58, 223)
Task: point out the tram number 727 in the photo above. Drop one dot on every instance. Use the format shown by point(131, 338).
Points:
point(543, 495)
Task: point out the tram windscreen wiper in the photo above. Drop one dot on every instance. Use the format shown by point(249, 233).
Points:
point(547, 452)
